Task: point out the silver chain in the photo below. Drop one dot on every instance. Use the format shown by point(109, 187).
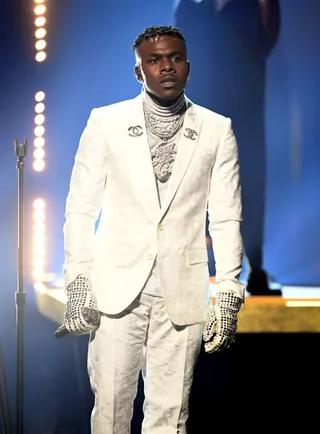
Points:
point(163, 127)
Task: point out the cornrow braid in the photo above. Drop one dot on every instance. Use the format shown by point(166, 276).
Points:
point(153, 31)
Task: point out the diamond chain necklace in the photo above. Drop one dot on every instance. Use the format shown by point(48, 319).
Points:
point(164, 122)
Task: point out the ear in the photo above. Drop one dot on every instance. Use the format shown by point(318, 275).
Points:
point(137, 73)
point(188, 69)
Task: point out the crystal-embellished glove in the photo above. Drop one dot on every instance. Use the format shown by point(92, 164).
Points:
point(221, 326)
point(81, 314)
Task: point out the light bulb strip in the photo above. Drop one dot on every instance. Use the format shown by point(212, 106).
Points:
point(40, 31)
point(39, 207)
point(39, 162)
point(39, 240)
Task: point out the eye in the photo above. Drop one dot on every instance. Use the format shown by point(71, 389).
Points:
point(176, 59)
point(152, 61)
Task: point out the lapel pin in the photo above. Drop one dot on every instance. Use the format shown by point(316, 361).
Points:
point(190, 134)
point(135, 131)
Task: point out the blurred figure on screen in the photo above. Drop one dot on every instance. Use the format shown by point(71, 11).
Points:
point(229, 42)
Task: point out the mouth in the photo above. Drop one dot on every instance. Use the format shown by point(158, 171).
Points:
point(169, 84)
point(169, 80)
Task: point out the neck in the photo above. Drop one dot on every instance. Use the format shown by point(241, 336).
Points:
point(163, 102)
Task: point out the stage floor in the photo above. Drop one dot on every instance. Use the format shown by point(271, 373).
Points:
point(289, 313)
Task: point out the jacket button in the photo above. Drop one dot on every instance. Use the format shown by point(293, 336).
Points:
point(160, 227)
point(150, 256)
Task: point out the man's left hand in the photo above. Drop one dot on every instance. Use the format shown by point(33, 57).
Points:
point(222, 322)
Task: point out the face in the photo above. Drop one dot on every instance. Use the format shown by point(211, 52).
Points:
point(162, 67)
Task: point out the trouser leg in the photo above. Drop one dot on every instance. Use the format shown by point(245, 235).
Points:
point(115, 358)
point(171, 354)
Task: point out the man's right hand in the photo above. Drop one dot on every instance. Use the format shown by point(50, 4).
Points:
point(80, 299)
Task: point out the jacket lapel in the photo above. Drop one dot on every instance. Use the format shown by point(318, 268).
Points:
point(186, 148)
point(139, 152)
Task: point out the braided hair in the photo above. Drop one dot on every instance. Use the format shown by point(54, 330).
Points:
point(153, 31)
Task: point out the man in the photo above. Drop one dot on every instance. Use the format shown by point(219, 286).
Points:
point(229, 51)
point(151, 165)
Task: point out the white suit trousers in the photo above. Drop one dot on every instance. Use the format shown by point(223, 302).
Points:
point(142, 337)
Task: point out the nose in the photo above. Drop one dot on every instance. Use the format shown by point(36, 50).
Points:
point(167, 65)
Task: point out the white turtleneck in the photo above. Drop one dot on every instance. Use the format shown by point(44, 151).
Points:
point(164, 111)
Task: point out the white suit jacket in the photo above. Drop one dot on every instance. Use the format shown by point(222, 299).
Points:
point(113, 174)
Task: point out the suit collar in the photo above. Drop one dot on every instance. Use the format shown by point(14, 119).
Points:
point(144, 176)
point(186, 147)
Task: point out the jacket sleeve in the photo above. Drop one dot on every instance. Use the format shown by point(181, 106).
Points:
point(84, 200)
point(225, 214)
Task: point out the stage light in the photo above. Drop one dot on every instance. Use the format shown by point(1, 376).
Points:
point(38, 275)
point(39, 142)
point(40, 10)
point(39, 240)
point(41, 56)
point(39, 119)
point(303, 303)
point(40, 33)
point(40, 45)
point(39, 216)
point(38, 250)
point(40, 96)
point(40, 21)
point(38, 154)
point(39, 131)
point(38, 228)
point(38, 262)
point(38, 165)
point(39, 108)
point(39, 204)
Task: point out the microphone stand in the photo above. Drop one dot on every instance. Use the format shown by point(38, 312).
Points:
point(21, 153)
point(4, 400)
